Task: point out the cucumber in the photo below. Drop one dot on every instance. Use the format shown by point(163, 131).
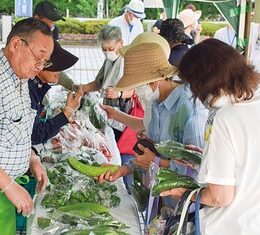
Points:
point(177, 151)
point(167, 179)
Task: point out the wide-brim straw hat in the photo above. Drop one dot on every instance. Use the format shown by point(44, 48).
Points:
point(143, 64)
point(148, 37)
point(189, 17)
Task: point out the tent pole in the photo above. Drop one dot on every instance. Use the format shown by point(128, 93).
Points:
point(247, 27)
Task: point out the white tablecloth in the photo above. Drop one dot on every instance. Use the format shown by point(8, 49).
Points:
point(126, 213)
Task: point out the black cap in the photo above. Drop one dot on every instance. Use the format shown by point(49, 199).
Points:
point(47, 9)
point(61, 59)
point(173, 31)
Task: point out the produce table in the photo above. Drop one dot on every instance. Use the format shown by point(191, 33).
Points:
point(126, 213)
point(82, 139)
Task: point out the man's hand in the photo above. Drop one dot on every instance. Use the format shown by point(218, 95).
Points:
point(145, 159)
point(39, 172)
point(20, 198)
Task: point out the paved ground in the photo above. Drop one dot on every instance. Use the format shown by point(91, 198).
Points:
point(90, 60)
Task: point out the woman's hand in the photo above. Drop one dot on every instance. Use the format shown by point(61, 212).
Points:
point(111, 93)
point(109, 176)
point(194, 148)
point(144, 160)
point(111, 112)
point(175, 192)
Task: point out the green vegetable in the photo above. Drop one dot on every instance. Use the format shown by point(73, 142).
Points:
point(90, 170)
point(55, 198)
point(141, 196)
point(43, 222)
point(96, 117)
point(85, 206)
point(177, 151)
point(167, 179)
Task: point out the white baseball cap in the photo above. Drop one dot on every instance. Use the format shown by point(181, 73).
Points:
point(189, 17)
point(136, 7)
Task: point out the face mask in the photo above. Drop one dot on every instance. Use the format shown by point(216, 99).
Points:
point(140, 91)
point(111, 55)
point(146, 92)
point(152, 95)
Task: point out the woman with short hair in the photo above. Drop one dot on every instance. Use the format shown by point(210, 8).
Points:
point(221, 79)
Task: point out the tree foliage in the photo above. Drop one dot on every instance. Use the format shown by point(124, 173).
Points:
point(88, 8)
point(209, 11)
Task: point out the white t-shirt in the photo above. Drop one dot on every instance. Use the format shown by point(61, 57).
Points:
point(227, 35)
point(232, 157)
point(256, 62)
point(128, 33)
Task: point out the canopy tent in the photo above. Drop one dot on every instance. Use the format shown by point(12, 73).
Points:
point(171, 8)
point(234, 11)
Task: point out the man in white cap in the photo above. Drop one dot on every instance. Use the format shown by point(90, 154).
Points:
point(129, 22)
point(190, 18)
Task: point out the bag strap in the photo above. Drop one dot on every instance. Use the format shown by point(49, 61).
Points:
point(151, 198)
point(185, 209)
point(197, 214)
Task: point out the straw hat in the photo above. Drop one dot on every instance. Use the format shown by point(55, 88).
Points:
point(136, 7)
point(144, 63)
point(189, 17)
point(146, 38)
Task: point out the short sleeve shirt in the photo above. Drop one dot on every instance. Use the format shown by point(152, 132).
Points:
point(16, 121)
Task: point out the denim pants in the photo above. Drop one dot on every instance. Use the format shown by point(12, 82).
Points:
point(128, 179)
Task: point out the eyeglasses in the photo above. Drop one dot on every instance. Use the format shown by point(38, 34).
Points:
point(39, 63)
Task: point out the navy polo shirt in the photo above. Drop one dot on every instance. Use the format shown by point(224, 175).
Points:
point(177, 53)
point(42, 131)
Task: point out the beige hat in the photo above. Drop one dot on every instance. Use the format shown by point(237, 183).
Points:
point(148, 37)
point(189, 17)
point(144, 63)
point(136, 7)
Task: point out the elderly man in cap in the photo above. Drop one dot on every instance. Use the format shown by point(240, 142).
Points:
point(28, 50)
point(42, 131)
point(130, 22)
point(47, 12)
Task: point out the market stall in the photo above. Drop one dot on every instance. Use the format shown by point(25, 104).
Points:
point(74, 202)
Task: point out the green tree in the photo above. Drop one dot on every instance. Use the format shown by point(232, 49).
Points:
point(116, 8)
point(209, 11)
point(7, 6)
